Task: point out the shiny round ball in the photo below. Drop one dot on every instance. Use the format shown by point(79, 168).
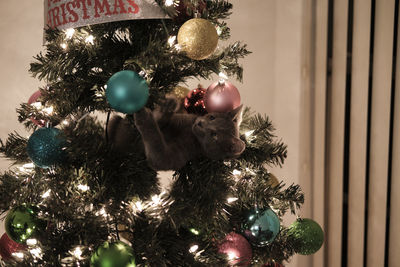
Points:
point(22, 223)
point(46, 147)
point(273, 181)
point(194, 101)
point(127, 92)
point(198, 38)
point(8, 247)
point(180, 92)
point(34, 98)
point(116, 254)
point(261, 226)
point(237, 250)
point(222, 97)
point(306, 236)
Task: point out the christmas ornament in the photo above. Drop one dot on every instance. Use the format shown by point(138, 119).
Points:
point(221, 96)
point(180, 92)
point(306, 236)
point(237, 250)
point(127, 91)
point(46, 147)
point(194, 101)
point(273, 264)
point(273, 181)
point(33, 99)
point(198, 38)
point(117, 254)
point(8, 247)
point(186, 10)
point(261, 226)
point(22, 223)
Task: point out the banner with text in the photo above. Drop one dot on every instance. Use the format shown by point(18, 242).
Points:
point(64, 14)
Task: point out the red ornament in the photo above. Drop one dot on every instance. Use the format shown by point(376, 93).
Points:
point(186, 10)
point(273, 264)
point(237, 250)
point(194, 101)
point(222, 97)
point(34, 99)
point(8, 247)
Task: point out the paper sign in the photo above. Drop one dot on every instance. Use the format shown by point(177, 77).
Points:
point(64, 14)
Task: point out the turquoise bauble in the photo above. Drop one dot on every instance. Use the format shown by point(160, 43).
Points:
point(306, 236)
point(127, 92)
point(46, 147)
point(22, 223)
point(261, 226)
point(117, 254)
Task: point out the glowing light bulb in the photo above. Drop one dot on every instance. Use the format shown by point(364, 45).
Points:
point(77, 252)
point(193, 248)
point(69, 33)
point(36, 252)
point(219, 30)
point(48, 110)
point(31, 242)
point(83, 187)
point(46, 194)
point(89, 39)
point(18, 255)
point(171, 40)
point(236, 172)
point(156, 199)
point(249, 133)
point(37, 105)
point(232, 199)
point(169, 2)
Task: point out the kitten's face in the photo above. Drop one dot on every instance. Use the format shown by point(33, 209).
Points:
point(218, 134)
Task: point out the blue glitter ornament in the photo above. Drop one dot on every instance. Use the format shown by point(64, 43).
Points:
point(46, 147)
point(127, 92)
point(261, 226)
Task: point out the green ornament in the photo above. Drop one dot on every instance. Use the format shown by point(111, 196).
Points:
point(306, 236)
point(116, 254)
point(22, 223)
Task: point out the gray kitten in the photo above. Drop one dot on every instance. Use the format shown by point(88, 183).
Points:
point(172, 139)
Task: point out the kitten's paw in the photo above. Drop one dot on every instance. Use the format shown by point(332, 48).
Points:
point(169, 105)
point(143, 117)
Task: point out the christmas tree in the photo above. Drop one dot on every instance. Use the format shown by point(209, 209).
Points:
point(85, 191)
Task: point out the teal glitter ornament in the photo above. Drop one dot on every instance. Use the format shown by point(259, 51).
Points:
point(127, 92)
point(306, 236)
point(116, 254)
point(261, 226)
point(46, 147)
point(22, 223)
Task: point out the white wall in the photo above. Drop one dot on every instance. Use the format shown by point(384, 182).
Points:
point(272, 74)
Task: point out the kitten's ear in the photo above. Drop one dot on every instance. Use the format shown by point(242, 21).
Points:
point(236, 114)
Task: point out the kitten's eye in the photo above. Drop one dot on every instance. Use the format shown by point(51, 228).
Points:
point(214, 135)
point(211, 118)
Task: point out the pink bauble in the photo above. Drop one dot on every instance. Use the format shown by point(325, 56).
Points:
point(8, 247)
point(221, 97)
point(34, 99)
point(237, 250)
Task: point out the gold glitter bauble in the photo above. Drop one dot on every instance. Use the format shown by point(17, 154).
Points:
point(274, 182)
point(180, 92)
point(198, 38)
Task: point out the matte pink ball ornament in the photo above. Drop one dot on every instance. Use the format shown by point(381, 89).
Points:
point(222, 96)
point(237, 250)
point(33, 99)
